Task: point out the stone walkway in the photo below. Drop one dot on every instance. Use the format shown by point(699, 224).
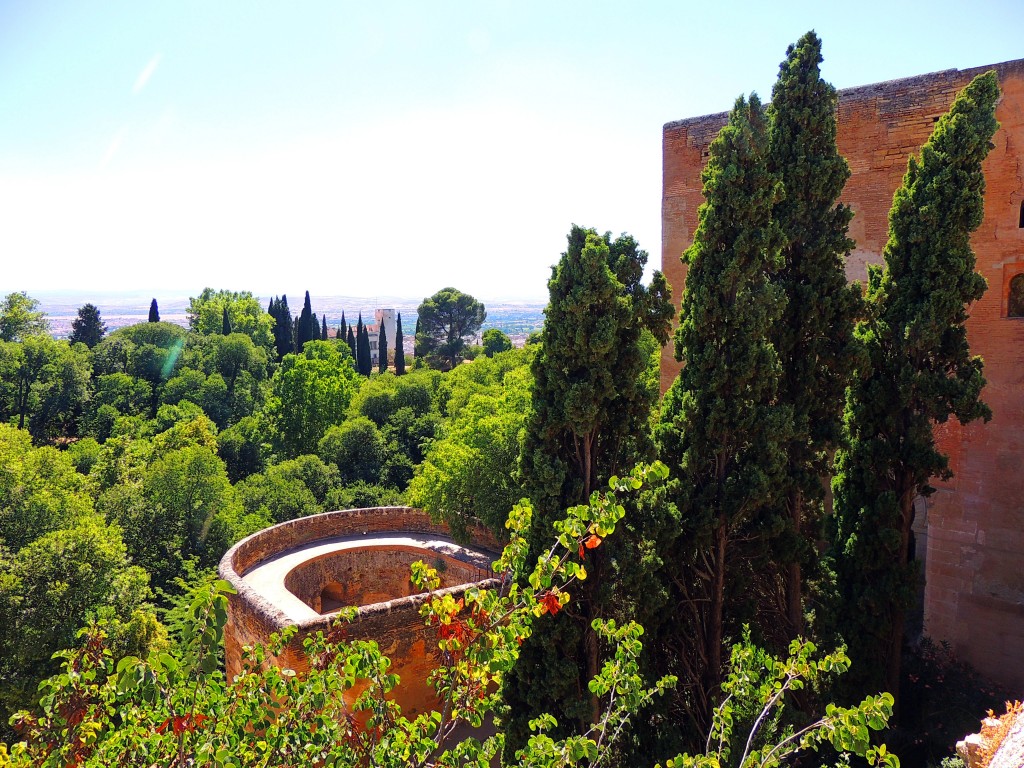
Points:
point(267, 577)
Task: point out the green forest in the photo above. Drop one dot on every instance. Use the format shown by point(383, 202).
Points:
point(678, 591)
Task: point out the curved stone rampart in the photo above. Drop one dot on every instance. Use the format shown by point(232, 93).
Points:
point(285, 575)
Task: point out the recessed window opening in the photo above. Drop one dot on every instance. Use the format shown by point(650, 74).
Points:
point(1015, 301)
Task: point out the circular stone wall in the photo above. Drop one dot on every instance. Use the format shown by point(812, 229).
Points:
point(300, 572)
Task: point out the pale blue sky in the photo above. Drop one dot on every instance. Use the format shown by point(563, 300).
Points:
point(388, 147)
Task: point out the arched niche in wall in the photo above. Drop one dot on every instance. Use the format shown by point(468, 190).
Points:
point(1015, 296)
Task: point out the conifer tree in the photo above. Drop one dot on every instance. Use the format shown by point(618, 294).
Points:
point(283, 330)
point(721, 431)
point(226, 323)
point(343, 328)
point(323, 328)
point(814, 339)
point(352, 344)
point(88, 327)
point(399, 351)
point(363, 364)
point(382, 348)
point(154, 312)
point(919, 373)
point(305, 325)
point(591, 405)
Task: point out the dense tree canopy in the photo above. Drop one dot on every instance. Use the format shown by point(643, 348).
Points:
point(87, 328)
point(20, 317)
point(494, 341)
point(311, 393)
point(444, 324)
point(206, 313)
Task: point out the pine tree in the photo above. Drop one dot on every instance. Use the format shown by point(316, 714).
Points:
point(154, 312)
point(721, 431)
point(226, 323)
point(919, 372)
point(382, 348)
point(399, 351)
point(591, 405)
point(305, 325)
point(814, 339)
point(88, 327)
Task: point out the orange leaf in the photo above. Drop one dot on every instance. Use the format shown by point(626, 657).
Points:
point(592, 541)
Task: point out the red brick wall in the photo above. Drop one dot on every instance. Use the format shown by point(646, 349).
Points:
point(395, 625)
point(974, 593)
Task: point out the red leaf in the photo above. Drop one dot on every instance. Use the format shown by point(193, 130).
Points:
point(592, 541)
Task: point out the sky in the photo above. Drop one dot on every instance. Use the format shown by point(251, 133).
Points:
point(388, 148)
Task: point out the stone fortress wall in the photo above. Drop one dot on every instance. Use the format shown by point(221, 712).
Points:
point(301, 571)
point(973, 526)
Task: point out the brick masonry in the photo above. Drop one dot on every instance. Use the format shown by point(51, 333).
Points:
point(974, 580)
point(377, 579)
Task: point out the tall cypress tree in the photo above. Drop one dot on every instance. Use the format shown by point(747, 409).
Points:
point(814, 339)
point(919, 372)
point(305, 325)
point(226, 323)
point(154, 312)
point(362, 348)
point(591, 406)
point(323, 328)
point(352, 346)
point(721, 431)
point(399, 351)
point(283, 330)
point(343, 328)
point(382, 348)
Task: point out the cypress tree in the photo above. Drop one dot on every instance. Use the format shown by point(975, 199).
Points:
point(362, 348)
point(323, 328)
point(283, 327)
point(352, 345)
point(154, 312)
point(919, 372)
point(226, 323)
point(591, 406)
point(343, 328)
point(399, 351)
point(305, 325)
point(814, 339)
point(721, 431)
point(382, 348)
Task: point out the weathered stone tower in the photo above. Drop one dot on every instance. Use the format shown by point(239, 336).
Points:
point(973, 527)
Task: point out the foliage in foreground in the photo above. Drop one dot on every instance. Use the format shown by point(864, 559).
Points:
point(178, 708)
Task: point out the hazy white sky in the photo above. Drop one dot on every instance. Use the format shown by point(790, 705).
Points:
point(388, 148)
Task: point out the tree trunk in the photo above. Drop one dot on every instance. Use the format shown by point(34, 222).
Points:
point(892, 674)
point(714, 631)
point(794, 585)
